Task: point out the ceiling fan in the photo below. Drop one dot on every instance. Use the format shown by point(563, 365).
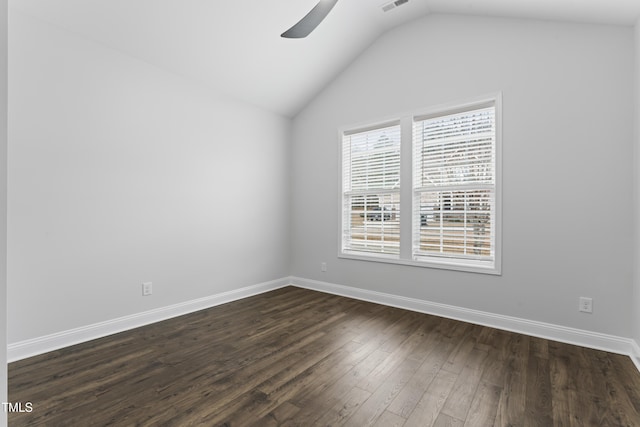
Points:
point(306, 25)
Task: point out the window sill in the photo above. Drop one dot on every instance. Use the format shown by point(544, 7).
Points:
point(468, 266)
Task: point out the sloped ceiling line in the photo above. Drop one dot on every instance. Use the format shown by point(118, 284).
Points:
point(235, 47)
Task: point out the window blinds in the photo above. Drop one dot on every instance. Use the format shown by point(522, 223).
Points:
point(454, 185)
point(371, 190)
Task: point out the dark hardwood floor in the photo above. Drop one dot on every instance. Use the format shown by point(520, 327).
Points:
point(295, 357)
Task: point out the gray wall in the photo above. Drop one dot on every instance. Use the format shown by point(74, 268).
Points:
point(636, 216)
point(121, 173)
point(3, 206)
point(567, 170)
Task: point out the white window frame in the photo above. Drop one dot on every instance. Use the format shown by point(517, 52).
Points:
point(384, 221)
point(408, 217)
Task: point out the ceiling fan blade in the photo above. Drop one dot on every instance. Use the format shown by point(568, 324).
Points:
point(307, 24)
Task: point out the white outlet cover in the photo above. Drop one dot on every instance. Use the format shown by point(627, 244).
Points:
point(147, 288)
point(586, 305)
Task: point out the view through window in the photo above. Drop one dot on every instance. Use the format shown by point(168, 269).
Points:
point(448, 213)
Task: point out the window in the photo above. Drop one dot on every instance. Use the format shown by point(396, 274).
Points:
point(451, 207)
point(371, 191)
point(454, 186)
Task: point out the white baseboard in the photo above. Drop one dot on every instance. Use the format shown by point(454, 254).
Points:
point(23, 349)
point(635, 353)
point(595, 340)
point(611, 343)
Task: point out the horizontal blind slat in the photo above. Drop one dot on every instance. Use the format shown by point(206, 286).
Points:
point(371, 196)
point(454, 185)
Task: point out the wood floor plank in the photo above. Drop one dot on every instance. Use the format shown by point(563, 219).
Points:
point(618, 405)
point(396, 358)
point(539, 347)
point(295, 357)
point(342, 411)
point(340, 378)
point(484, 407)
point(494, 371)
point(246, 395)
point(389, 419)
point(460, 398)
point(317, 400)
point(466, 342)
point(513, 395)
point(445, 420)
point(384, 394)
point(538, 410)
point(622, 365)
point(290, 382)
point(407, 399)
point(428, 408)
point(283, 414)
point(561, 383)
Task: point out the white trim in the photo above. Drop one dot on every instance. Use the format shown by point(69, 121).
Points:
point(635, 354)
point(32, 347)
point(595, 340)
point(406, 119)
point(455, 107)
point(470, 266)
point(611, 343)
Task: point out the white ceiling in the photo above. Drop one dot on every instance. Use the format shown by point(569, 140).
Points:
point(234, 46)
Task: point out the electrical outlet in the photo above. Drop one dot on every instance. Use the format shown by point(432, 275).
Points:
point(323, 267)
point(147, 288)
point(586, 305)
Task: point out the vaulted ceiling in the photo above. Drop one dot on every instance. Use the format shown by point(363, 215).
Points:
point(234, 47)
